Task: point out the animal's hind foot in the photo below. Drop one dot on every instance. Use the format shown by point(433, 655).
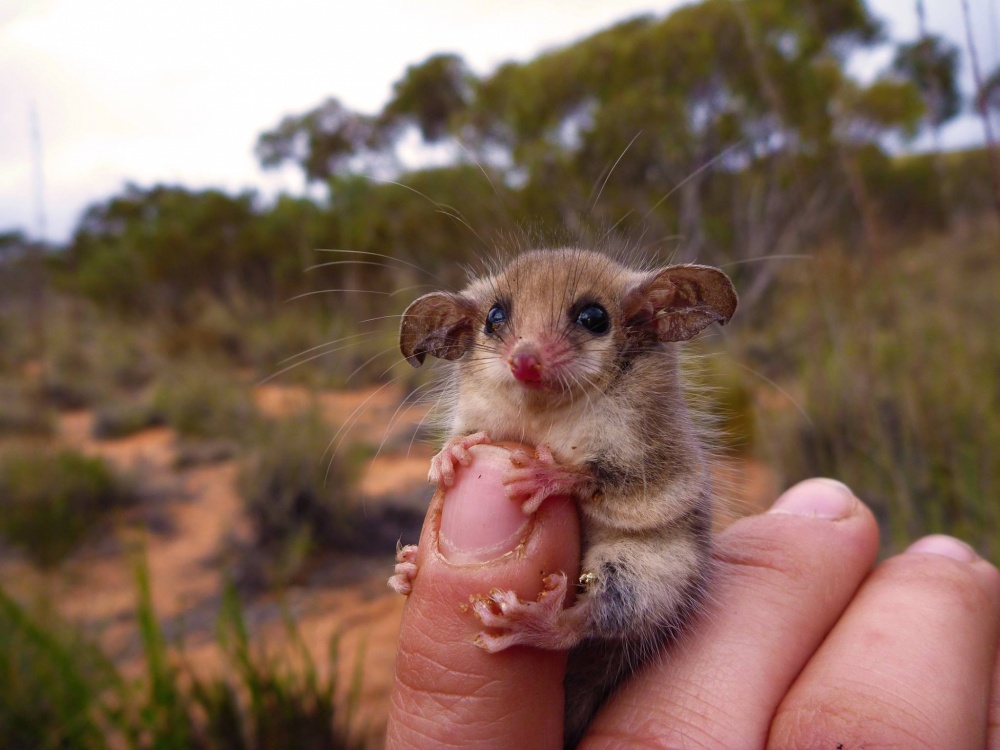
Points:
point(406, 569)
point(542, 623)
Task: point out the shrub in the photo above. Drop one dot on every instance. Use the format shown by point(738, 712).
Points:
point(295, 499)
point(896, 367)
point(21, 414)
point(200, 400)
point(120, 418)
point(60, 691)
point(49, 501)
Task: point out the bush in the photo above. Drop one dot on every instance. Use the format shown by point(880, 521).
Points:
point(202, 401)
point(117, 419)
point(50, 501)
point(57, 690)
point(296, 500)
point(21, 414)
point(896, 366)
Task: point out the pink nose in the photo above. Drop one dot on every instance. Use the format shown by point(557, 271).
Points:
point(526, 367)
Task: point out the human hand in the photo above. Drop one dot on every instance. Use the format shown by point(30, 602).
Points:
point(801, 644)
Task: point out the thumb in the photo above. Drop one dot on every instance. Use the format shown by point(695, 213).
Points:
point(447, 691)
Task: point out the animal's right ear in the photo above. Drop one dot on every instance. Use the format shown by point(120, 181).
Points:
point(438, 323)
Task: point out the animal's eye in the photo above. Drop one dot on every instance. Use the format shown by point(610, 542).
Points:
point(594, 318)
point(495, 317)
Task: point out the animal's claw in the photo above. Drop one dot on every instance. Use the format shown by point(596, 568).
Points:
point(537, 623)
point(456, 450)
point(406, 569)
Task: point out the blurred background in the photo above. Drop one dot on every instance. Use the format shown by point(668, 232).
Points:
point(211, 216)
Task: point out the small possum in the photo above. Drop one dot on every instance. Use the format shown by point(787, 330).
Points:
point(575, 353)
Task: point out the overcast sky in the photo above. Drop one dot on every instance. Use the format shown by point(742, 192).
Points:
point(178, 91)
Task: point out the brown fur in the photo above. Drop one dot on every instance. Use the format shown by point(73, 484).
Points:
point(610, 407)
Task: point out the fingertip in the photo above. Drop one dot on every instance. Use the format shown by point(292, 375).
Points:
point(944, 545)
point(818, 498)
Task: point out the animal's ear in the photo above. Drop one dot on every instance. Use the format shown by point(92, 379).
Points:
point(677, 302)
point(438, 323)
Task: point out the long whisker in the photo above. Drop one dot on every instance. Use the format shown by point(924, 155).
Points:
point(790, 256)
point(379, 255)
point(782, 391)
point(326, 344)
point(360, 291)
point(710, 163)
point(303, 361)
point(610, 172)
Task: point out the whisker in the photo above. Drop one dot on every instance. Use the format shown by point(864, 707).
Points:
point(328, 343)
point(379, 255)
point(788, 256)
point(359, 291)
point(303, 361)
point(711, 162)
point(610, 172)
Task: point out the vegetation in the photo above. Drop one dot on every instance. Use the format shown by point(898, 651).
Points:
point(59, 690)
point(297, 492)
point(49, 500)
point(894, 376)
point(729, 132)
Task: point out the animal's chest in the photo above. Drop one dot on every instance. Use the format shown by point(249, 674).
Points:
point(575, 433)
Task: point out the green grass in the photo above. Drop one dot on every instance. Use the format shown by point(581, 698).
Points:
point(297, 496)
point(57, 690)
point(52, 683)
point(50, 501)
point(895, 366)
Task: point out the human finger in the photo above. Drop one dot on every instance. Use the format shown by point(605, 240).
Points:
point(447, 691)
point(910, 664)
point(782, 580)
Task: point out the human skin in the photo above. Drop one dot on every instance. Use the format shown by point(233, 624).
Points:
point(804, 642)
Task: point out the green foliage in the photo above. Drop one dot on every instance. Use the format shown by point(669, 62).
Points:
point(51, 683)
point(21, 414)
point(932, 64)
point(432, 94)
point(896, 372)
point(58, 690)
point(51, 500)
point(200, 399)
point(122, 417)
point(297, 495)
point(322, 141)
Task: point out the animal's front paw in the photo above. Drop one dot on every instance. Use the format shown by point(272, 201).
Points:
point(456, 450)
point(542, 623)
point(406, 569)
point(534, 477)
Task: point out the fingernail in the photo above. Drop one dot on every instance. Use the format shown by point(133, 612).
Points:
point(817, 498)
point(946, 546)
point(478, 522)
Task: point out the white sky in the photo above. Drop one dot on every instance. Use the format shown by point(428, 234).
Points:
point(178, 91)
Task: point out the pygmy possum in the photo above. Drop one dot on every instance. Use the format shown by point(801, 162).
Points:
point(575, 352)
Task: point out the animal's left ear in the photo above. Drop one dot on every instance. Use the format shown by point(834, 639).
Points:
point(677, 302)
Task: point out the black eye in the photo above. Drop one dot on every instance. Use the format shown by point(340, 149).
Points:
point(594, 318)
point(495, 317)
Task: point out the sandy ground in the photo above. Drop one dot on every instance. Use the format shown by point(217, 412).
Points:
point(196, 515)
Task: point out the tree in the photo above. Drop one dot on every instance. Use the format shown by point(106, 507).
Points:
point(324, 141)
point(931, 64)
point(431, 95)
